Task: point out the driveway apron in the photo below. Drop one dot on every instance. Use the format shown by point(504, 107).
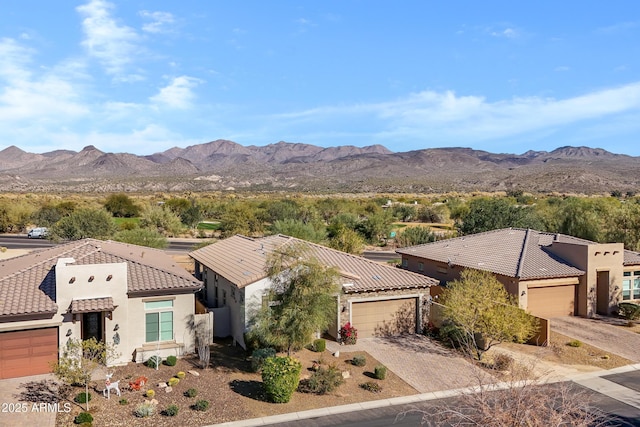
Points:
point(421, 362)
point(600, 333)
point(29, 401)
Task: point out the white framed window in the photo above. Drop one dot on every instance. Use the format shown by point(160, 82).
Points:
point(158, 320)
point(631, 285)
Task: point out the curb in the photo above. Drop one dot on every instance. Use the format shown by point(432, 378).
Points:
point(404, 400)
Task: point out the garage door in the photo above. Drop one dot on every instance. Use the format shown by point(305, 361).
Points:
point(383, 318)
point(552, 301)
point(29, 352)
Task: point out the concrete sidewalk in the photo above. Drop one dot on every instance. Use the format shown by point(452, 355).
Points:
point(591, 380)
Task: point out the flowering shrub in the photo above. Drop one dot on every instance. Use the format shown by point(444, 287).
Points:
point(348, 334)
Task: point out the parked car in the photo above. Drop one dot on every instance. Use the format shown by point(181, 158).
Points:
point(37, 233)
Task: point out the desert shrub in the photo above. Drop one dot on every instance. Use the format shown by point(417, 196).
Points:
point(259, 356)
point(575, 343)
point(171, 411)
point(201, 405)
point(171, 361)
point(154, 361)
point(502, 362)
point(192, 392)
point(319, 345)
point(324, 380)
point(359, 360)
point(371, 386)
point(83, 418)
point(173, 382)
point(380, 372)
point(280, 376)
point(450, 334)
point(82, 397)
point(150, 394)
point(181, 375)
point(629, 310)
point(123, 401)
point(348, 334)
point(144, 410)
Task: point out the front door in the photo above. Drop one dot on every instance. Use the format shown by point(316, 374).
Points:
point(92, 326)
point(602, 293)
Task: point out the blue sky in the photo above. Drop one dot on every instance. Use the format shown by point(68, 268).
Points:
point(143, 76)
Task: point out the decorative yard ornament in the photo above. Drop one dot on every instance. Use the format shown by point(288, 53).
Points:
point(110, 386)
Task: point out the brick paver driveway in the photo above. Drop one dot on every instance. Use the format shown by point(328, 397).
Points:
point(601, 333)
point(418, 360)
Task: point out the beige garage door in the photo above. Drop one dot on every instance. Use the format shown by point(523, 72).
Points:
point(552, 301)
point(383, 318)
point(29, 352)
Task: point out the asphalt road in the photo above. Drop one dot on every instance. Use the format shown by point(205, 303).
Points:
point(20, 241)
point(618, 413)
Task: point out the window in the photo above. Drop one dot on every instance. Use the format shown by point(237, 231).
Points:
point(631, 286)
point(233, 294)
point(159, 320)
point(405, 262)
point(224, 297)
point(421, 266)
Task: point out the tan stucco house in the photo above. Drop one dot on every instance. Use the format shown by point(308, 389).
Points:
point(134, 297)
point(375, 298)
point(551, 274)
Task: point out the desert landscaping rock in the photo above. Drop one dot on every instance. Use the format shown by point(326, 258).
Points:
point(168, 389)
point(194, 373)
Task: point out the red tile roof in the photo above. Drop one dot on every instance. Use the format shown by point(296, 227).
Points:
point(28, 285)
point(91, 304)
point(512, 252)
point(242, 261)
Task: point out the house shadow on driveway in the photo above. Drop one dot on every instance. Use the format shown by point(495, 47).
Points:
point(421, 362)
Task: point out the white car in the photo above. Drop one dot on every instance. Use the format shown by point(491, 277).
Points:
point(37, 233)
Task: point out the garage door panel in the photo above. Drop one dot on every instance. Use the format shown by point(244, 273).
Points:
point(388, 317)
point(28, 352)
point(552, 301)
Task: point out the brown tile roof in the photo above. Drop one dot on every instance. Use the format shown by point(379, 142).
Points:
point(91, 304)
point(242, 260)
point(27, 282)
point(512, 252)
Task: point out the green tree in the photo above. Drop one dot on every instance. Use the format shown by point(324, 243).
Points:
point(142, 237)
point(240, 219)
point(15, 216)
point(80, 359)
point(376, 226)
point(164, 221)
point(121, 206)
point(83, 223)
point(301, 299)
point(487, 214)
point(412, 236)
point(404, 212)
point(297, 228)
point(581, 218)
point(484, 313)
point(347, 240)
point(624, 226)
point(342, 220)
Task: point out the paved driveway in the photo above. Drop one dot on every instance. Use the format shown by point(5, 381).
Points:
point(601, 333)
point(23, 402)
point(421, 362)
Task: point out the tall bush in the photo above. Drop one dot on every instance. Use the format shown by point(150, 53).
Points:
point(281, 376)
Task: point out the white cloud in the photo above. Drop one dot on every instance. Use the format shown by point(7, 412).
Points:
point(114, 45)
point(178, 94)
point(446, 117)
point(562, 68)
point(49, 96)
point(509, 33)
point(161, 22)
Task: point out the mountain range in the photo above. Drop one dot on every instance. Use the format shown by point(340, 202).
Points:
point(226, 165)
